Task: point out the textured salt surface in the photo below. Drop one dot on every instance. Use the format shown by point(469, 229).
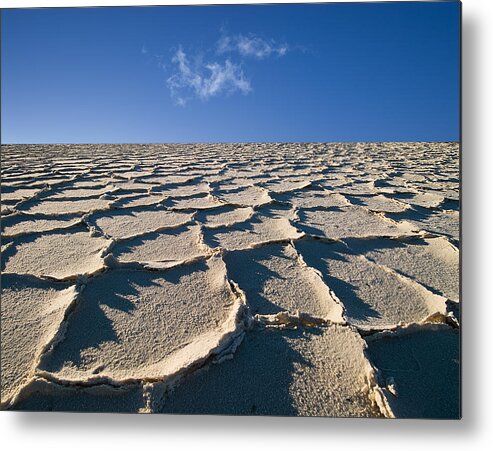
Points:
point(349, 222)
point(379, 204)
point(313, 199)
point(127, 224)
point(224, 216)
point(19, 224)
point(436, 222)
point(43, 395)
point(282, 279)
point(174, 245)
point(259, 230)
point(18, 194)
point(59, 255)
point(31, 312)
point(130, 201)
point(57, 207)
point(249, 196)
point(194, 203)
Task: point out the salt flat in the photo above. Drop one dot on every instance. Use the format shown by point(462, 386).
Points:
point(317, 279)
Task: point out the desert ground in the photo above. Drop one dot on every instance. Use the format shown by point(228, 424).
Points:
point(317, 279)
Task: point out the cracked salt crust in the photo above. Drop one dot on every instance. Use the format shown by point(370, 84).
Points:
point(132, 324)
point(249, 196)
point(175, 245)
point(286, 185)
point(224, 217)
point(131, 201)
point(57, 207)
point(185, 190)
point(154, 309)
point(198, 202)
point(439, 222)
point(19, 194)
point(60, 255)
point(426, 200)
point(433, 262)
point(250, 234)
point(19, 224)
point(314, 199)
point(349, 222)
point(76, 193)
point(127, 224)
point(274, 280)
point(373, 297)
point(380, 204)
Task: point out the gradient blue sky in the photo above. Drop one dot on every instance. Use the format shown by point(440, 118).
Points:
point(333, 72)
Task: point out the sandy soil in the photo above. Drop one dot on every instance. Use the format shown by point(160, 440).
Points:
point(247, 279)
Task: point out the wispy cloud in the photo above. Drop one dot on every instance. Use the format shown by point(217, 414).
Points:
point(251, 46)
point(204, 80)
point(219, 70)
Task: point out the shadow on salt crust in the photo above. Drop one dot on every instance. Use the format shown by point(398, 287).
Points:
point(432, 262)
point(422, 367)
point(42, 395)
point(273, 372)
point(372, 296)
point(274, 280)
point(129, 324)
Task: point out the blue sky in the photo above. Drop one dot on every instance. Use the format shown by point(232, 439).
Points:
point(333, 72)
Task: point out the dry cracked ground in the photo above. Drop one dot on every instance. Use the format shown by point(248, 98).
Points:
point(250, 279)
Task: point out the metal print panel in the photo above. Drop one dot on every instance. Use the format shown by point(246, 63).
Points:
point(234, 210)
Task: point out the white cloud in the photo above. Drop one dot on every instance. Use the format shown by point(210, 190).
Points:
point(251, 45)
point(213, 73)
point(204, 80)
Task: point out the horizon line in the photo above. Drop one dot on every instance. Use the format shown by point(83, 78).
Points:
point(222, 142)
